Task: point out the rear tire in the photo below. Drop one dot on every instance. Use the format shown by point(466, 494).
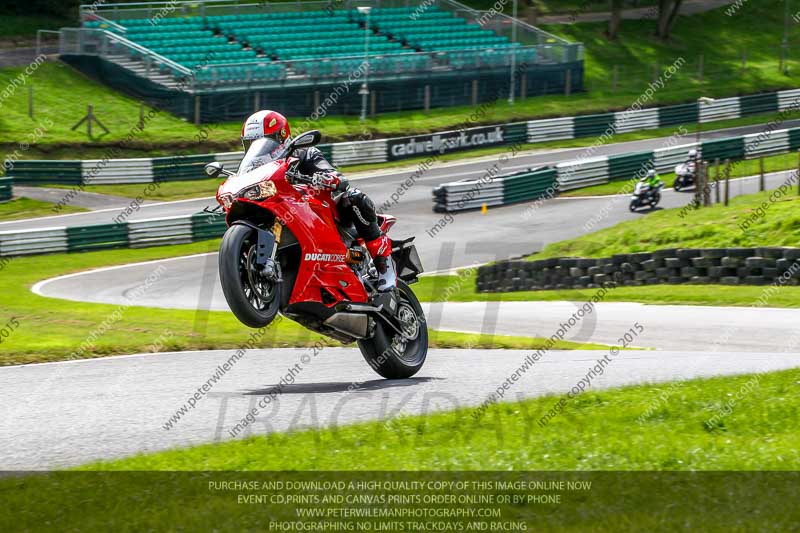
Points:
point(390, 356)
point(655, 200)
point(253, 300)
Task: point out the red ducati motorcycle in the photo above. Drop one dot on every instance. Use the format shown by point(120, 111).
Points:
point(285, 252)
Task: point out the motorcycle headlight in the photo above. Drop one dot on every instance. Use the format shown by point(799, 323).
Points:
point(259, 191)
point(227, 200)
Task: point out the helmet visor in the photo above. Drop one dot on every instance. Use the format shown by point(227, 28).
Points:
point(259, 152)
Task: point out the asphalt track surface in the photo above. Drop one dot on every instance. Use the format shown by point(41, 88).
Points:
point(65, 414)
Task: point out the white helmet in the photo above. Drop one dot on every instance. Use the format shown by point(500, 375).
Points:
point(692, 153)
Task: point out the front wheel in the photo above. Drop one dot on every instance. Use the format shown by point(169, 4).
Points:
point(633, 205)
point(252, 297)
point(394, 355)
point(677, 185)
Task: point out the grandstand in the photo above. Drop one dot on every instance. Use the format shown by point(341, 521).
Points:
point(221, 59)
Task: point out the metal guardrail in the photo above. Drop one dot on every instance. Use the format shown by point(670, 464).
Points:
point(382, 150)
point(136, 234)
point(598, 170)
point(5, 189)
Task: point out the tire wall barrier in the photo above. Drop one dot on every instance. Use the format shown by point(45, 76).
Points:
point(728, 266)
point(136, 234)
point(383, 150)
point(499, 190)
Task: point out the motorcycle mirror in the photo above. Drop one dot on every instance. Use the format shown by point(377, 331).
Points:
point(214, 169)
point(309, 138)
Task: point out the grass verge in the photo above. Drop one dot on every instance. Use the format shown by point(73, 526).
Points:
point(710, 227)
point(20, 208)
point(640, 432)
point(46, 329)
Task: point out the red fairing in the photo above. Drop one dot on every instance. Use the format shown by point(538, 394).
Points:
point(310, 215)
point(385, 222)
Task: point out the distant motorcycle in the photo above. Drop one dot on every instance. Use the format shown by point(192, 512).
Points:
point(644, 195)
point(684, 176)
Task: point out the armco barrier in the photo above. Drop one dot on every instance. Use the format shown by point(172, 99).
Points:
point(137, 234)
point(5, 189)
point(729, 266)
point(498, 190)
point(602, 169)
point(434, 144)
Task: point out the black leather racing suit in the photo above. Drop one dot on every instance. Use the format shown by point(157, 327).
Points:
point(353, 205)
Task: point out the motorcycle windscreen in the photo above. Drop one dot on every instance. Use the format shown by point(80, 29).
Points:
point(260, 152)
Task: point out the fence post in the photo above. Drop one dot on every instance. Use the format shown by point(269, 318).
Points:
point(761, 173)
point(89, 117)
point(197, 110)
point(700, 69)
point(706, 187)
point(716, 180)
point(30, 101)
point(568, 83)
point(474, 92)
point(427, 98)
point(727, 181)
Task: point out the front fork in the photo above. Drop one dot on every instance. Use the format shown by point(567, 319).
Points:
point(266, 249)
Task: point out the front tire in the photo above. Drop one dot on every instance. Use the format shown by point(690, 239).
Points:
point(396, 356)
point(253, 299)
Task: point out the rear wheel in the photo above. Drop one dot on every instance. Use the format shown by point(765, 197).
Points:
point(655, 200)
point(253, 298)
point(394, 355)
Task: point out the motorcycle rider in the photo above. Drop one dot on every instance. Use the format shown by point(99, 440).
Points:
point(652, 180)
point(692, 162)
point(353, 206)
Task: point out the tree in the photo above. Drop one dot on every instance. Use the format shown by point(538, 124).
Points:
point(616, 17)
point(667, 13)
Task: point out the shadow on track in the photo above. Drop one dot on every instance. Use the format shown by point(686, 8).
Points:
point(341, 386)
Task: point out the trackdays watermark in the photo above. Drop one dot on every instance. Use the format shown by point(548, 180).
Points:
point(597, 370)
point(584, 311)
